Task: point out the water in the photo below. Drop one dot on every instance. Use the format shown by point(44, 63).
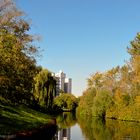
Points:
point(95, 129)
point(76, 133)
point(70, 128)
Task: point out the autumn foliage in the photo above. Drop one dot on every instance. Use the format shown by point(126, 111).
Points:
point(116, 92)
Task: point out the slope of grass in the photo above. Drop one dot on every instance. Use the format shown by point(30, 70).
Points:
point(14, 119)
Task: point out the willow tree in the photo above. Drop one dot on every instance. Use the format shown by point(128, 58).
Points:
point(45, 88)
point(17, 61)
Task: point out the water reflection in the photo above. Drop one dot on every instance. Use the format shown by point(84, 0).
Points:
point(65, 121)
point(96, 129)
point(87, 128)
point(63, 134)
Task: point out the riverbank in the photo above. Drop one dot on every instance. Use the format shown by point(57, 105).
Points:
point(18, 119)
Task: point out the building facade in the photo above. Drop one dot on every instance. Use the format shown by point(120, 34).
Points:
point(68, 85)
point(63, 83)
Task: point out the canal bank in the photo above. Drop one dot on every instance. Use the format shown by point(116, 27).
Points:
point(21, 121)
point(45, 131)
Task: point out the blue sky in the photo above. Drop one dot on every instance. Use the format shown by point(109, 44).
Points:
point(82, 37)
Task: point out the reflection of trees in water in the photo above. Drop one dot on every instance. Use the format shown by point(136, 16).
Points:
point(64, 122)
point(124, 129)
point(95, 128)
point(66, 119)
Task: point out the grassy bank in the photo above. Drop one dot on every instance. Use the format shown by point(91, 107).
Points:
point(15, 119)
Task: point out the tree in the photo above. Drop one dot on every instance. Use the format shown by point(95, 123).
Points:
point(102, 102)
point(45, 88)
point(50, 86)
point(17, 61)
point(95, 81)
point(134, 51)
point(117, 90)
point(66, 101)
point(107, 80)
point(111, 79)
point(86, 102)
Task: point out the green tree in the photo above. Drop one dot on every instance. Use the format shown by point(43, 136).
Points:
point(86, 102)
point(66, 101)
point(17, 61)
point(102, 102)
point(45, 88)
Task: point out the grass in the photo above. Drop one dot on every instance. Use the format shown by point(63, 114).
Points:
point(14, 119)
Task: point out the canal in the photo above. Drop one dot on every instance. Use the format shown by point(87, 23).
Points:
point(89, 128)
point(68, 127)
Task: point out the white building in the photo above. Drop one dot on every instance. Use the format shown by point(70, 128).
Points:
point(63, 83)
point(68, 85)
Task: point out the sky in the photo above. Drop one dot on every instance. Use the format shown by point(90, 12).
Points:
point(82, 37)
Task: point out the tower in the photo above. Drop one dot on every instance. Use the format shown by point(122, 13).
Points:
point(63, 83)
